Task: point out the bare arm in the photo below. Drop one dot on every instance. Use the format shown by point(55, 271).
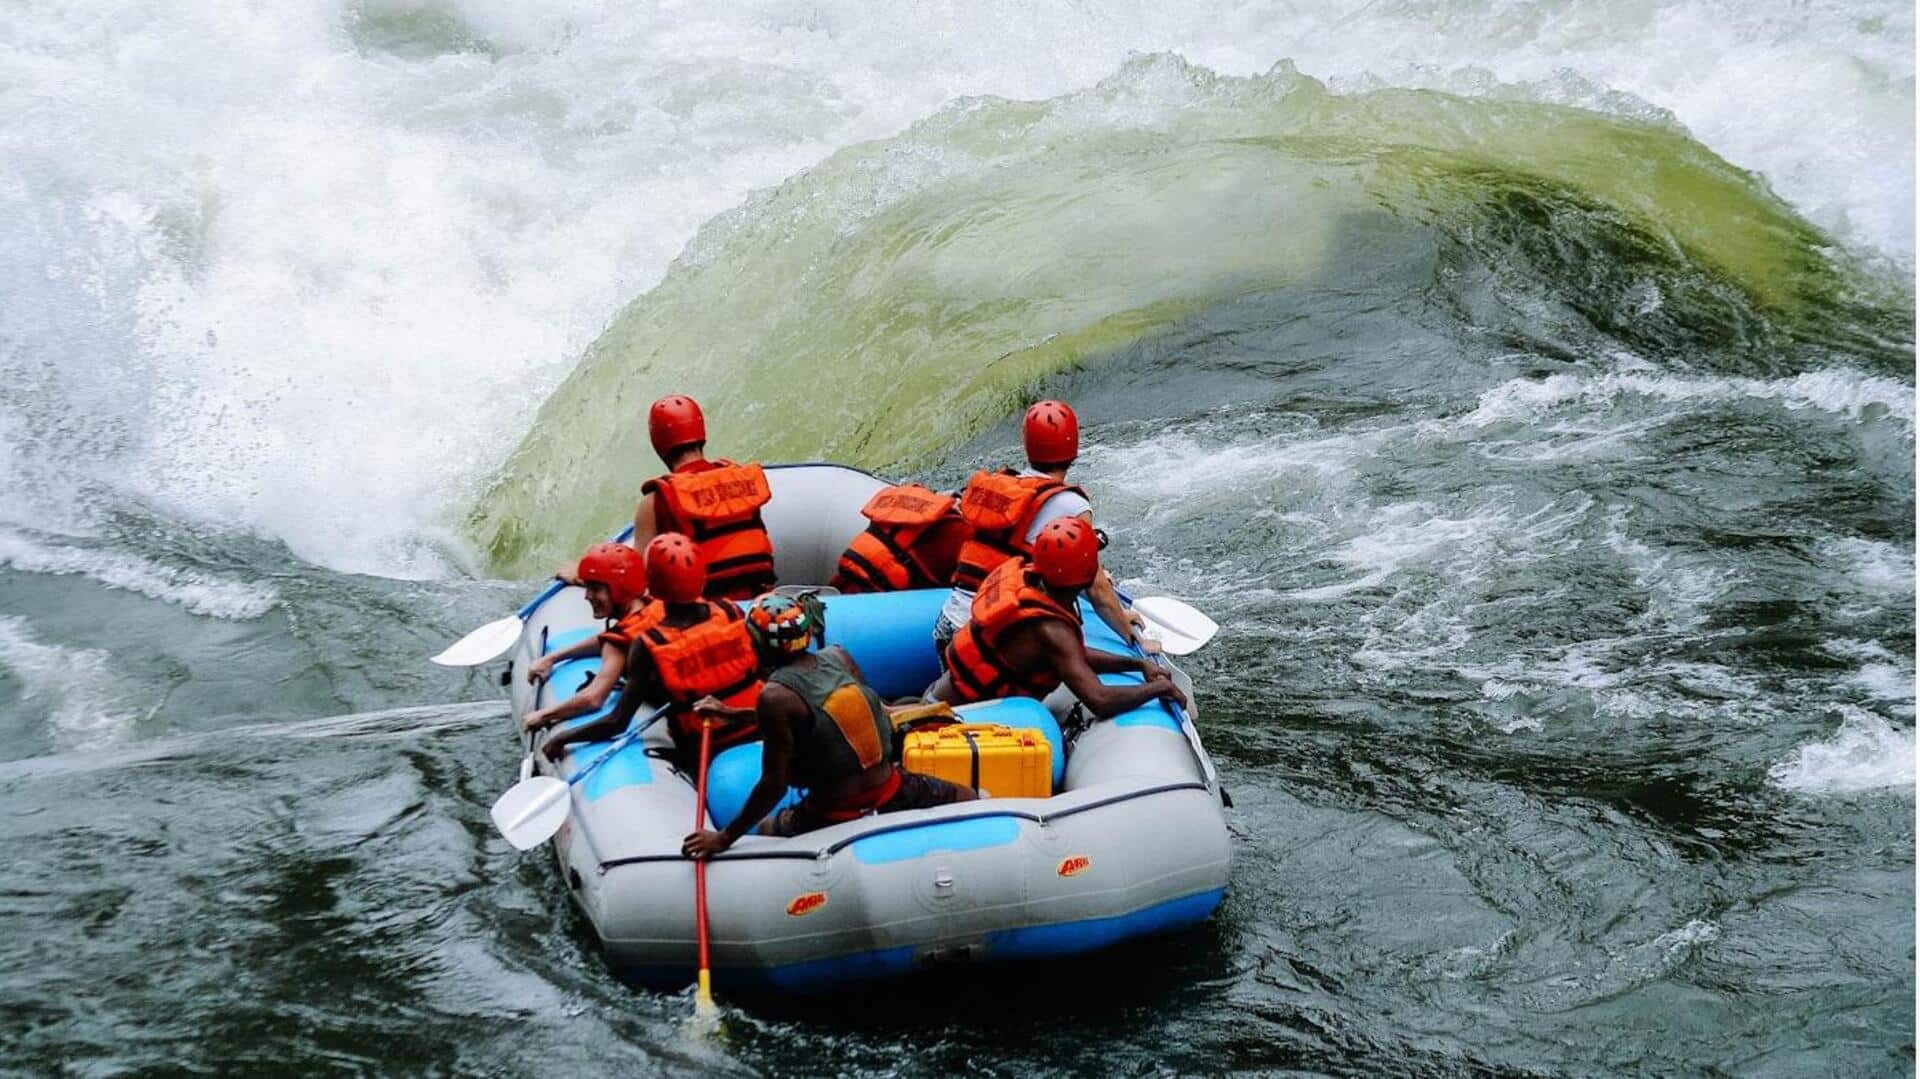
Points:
point(590, 698)
point(646, 521)
point(1069, 657)
point(639, 671)
point(1106, 604)
point(1105, 601)
point(779, 709)
point(540, 668)
point(1108, 663)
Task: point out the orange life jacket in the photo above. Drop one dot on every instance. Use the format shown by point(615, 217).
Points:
point(622, 631)
point(912, 542)
point(1012, 595)
point(713, 656)
point(718, 507)
point(1000, 506)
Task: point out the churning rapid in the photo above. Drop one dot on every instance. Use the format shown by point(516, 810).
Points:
point(1528, 390)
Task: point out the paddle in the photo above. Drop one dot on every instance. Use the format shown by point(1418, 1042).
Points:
point(491, 641)
point(535, 808)
point(704, 1008)
point(1185, 721)
point(1183, 629)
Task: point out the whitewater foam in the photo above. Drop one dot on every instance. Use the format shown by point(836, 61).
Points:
point(73, 686)
point(201, 593)
point(1865, 753)
point(312, 266)
point(1873, 566)
point(1839, 391)
point(1679, 585)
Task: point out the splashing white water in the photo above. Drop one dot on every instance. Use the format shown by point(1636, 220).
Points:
point(201, 593)
point(1865, 753)
point(307, 268)
point(73, 686)
point(1838, 392)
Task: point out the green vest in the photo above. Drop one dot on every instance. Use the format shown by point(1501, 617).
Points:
point(850, 731)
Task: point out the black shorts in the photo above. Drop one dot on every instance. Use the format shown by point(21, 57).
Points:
point(916, 792)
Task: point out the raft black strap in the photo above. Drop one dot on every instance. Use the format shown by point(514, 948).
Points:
point(973, 747)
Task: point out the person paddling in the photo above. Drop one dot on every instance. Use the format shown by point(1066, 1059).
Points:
point(615, 577)
point(822, 728)
point(716, 503)
point(695, 648)
point(1006, 511)
point(1023, 638)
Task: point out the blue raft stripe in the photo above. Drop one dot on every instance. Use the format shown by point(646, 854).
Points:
point(569, 678)
point(730, 782)
point(974, 833)
point(1073, 938)
point(1100, 635)
point(629, 767)
point(1152, 714)
point(890, 635)
point(1029, 943)
point(557, 641)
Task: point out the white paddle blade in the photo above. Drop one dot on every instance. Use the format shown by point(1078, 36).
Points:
point(530, 813)
point(1178, 619)
point(483, 645)
point(1171, 643)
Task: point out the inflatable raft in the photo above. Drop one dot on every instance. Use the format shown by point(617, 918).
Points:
point(1133, 842)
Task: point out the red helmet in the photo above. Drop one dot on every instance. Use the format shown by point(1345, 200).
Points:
point(1066, 553)
point(617, 566)
point(1052, 434)
point(674, 568)
point(674, 422)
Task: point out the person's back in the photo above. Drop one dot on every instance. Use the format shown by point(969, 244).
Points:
point(912, 540)
point(994, 654)
point(716, 503)
point(1007, 509)
point(845, 732)
point(824, 729)
point(1024, 638)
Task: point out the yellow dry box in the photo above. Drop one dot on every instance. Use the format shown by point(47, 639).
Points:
point(1007, 762)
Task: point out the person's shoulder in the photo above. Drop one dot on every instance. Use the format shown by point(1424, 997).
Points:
point(777, 696)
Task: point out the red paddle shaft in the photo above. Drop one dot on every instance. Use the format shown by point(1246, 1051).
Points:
point(700, 866)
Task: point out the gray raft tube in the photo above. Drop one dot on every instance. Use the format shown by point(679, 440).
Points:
point(1132, 843)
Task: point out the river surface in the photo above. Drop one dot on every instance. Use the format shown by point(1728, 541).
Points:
point(1527, 389)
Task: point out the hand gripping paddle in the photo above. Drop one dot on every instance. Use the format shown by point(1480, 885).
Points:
point(535, 808)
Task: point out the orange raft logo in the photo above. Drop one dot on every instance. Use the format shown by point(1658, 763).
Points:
point(806, 904)
point(1074, 865)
